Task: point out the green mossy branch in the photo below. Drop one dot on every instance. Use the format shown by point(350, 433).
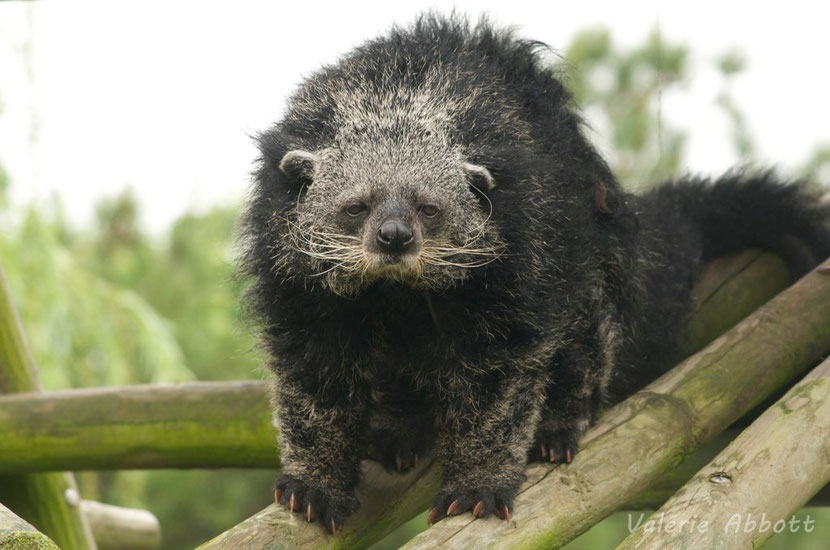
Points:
point(199, 424)
point(40, 499)
point(17, 534)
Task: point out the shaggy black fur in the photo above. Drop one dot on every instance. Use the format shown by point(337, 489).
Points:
point(492, 362)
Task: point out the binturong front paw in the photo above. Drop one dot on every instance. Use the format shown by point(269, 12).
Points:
point(481, 501)
point(314, 503)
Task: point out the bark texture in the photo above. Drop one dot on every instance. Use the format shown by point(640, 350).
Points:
point(752, 488)
point(17, 534)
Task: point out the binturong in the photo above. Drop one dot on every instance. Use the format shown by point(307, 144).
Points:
point(439, 261)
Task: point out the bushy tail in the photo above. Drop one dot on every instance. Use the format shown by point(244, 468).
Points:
point(743, 209)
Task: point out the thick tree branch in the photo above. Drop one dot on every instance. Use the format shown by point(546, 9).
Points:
point(752, 488)
point(202, 424)
point(16, 534)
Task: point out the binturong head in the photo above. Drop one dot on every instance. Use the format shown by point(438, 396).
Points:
point(386, 205)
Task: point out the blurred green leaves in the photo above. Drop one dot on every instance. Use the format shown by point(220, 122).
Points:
point(186, 277)
point(621, 90)
point(84, 330)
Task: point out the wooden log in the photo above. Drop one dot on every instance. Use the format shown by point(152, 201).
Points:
point(228, 424)
point(17, 534)
point(667, 484)
point(201, 424)
point(381, 512)
point(730, 288)
point(745, 270)
point(117, 528)
point(753, 487)
point(654, 430)
point(44, 500)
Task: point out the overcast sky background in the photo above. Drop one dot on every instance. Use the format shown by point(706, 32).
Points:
point(163, 95)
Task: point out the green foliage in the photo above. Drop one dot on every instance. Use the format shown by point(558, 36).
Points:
point(732, 63)
point(622, 90)
point(4, 186)
point(194, 506)
point(83, 329)
point(190, 276)
point(199, 256)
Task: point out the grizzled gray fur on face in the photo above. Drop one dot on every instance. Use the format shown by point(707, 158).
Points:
point(391, 160)
point(439, 259)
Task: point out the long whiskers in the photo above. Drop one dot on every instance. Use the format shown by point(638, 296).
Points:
point(331, 251)
point(343, 252)
point(467, 255)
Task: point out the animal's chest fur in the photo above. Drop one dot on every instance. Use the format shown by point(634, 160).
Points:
point(401, 334)
point(435, 344)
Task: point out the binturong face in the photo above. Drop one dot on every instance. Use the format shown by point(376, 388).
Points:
point(410, 211)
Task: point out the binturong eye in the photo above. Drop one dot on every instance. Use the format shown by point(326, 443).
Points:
point(429, 210)
point(356, 209)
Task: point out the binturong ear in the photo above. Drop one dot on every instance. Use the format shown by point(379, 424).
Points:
point(480, 177)
point(299, 165)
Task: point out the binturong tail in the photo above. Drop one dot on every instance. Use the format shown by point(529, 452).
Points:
point(752, 209)
point(685, 223)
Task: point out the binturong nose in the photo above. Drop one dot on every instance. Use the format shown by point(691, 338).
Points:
point(394, 236)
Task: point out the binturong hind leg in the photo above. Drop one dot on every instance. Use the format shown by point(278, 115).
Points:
point(581, 375)
point(565, 417)
point(400, 428)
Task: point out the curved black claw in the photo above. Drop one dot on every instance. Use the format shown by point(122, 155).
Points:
point(313, 503)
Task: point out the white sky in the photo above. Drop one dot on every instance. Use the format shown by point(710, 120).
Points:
point(162, 95)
